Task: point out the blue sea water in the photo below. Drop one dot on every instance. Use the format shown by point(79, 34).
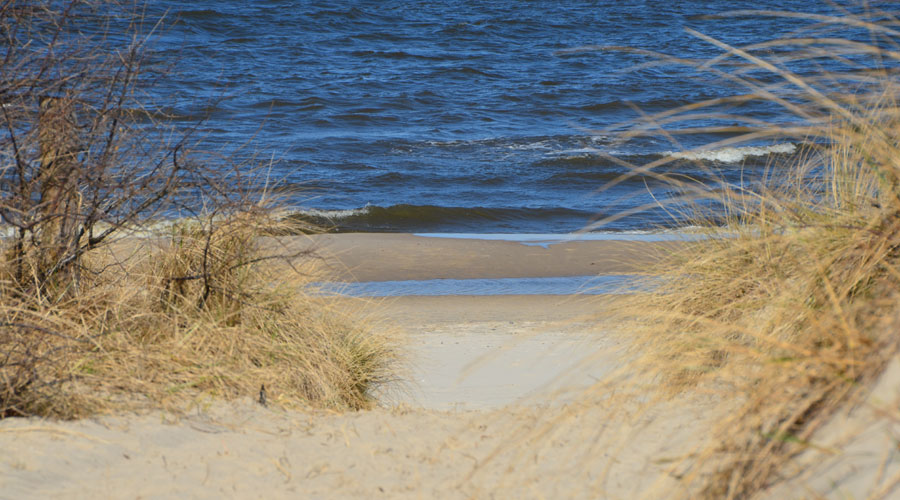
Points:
point(455, 116)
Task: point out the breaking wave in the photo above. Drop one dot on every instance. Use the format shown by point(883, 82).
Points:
point(733, 155)
point(417, 218)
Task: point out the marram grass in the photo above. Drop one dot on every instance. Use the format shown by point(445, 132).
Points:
point(208, 310)
point(793, 305)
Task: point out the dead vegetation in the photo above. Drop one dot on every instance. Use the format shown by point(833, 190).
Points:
point(791, 306)
point(101, 305)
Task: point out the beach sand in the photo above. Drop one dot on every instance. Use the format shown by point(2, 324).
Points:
point(499, 401)
point(380, 256)
point(481, 416)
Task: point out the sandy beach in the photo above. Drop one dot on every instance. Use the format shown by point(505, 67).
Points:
point(499, 400)
point(380, 256)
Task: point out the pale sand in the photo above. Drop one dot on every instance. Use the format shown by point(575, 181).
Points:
point(856, 454)
point(514, 360)
point(523, 450)
point(486, 352)
point(244, 451)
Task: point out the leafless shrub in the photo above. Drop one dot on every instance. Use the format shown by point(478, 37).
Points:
point(86, 172)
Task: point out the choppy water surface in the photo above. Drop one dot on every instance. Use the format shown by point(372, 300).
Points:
point(452, 116)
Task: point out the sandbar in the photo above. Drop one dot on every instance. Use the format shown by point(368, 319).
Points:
point(390, 256)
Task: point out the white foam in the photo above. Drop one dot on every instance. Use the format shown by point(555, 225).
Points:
point(732, 155)
point(333, 214)
point(544, 144)
point(576, 153)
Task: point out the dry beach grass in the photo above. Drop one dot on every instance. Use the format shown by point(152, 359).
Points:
point(195, 315)
point(790, 309)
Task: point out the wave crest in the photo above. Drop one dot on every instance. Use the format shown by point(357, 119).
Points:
point(733, 155)
point(418, 218)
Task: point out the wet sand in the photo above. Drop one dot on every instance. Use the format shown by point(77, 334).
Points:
point(386, 256)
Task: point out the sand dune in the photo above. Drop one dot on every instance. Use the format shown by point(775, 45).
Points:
point(499, 402)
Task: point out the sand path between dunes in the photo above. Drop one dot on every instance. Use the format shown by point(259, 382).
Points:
point(489, 434)
point(497, 404)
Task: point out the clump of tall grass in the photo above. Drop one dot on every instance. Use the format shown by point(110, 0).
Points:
point(209, 309)
point(792, 305)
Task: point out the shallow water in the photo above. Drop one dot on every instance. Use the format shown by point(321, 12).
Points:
point(558, 285)
point(547, 239)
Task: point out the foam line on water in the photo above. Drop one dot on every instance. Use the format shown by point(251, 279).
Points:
point(733, 154)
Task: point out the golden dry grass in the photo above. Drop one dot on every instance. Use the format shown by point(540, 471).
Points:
point(791, 306)
point(207, 310)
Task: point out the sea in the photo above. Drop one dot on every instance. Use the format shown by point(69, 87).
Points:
point(499, 116)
